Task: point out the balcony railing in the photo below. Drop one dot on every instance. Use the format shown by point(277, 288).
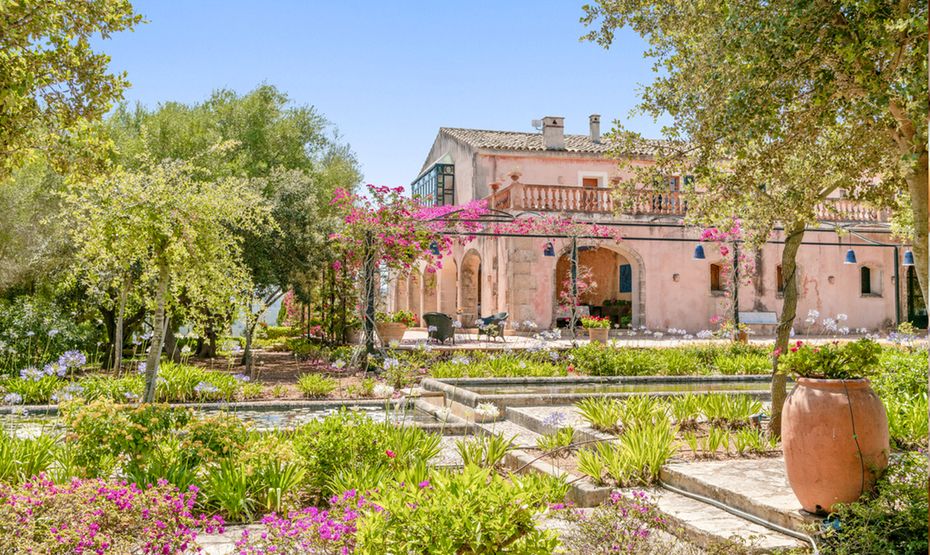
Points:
point(568, 198)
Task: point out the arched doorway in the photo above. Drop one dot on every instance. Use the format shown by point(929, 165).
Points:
point(470, 288)
point(916, 308)
point(413, 294)
point(618, 295)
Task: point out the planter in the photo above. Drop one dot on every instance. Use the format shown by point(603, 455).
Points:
point(391, 331)
point(598, 335)
point(742, 337)
point(354, 336)
point(821, 422)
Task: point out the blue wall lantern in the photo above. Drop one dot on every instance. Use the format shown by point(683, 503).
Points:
point(434, 248)
point(908, 258)
point(549, 249)
point(699, 253)
point(850, 257)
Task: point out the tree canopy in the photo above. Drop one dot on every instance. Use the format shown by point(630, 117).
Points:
point(52, 81)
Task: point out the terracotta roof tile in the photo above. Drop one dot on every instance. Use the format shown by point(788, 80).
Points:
point(517, 140)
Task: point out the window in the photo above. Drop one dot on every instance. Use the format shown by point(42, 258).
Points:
point(436, 186)
point(715, 278)
point(626, 278)
point(590, 182)
point(779, 280)
point(865, 280)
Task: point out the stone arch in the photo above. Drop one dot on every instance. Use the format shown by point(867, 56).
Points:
point(470, 288)
point(608, 282)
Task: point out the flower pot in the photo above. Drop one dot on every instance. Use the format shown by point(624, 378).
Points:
point(598, 335)
point(742, 337)
point(825, 426)
point(391, 331)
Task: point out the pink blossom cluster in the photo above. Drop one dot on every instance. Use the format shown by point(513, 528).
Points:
point(99, 517)
point(310, 530)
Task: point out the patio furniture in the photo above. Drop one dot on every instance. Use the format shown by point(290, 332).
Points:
point(439, 326)
point(492, 326)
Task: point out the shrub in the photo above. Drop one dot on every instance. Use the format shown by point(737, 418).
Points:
point(94, 516)
point(602, 413)
point(34, 331)
point(892, 519)
point(472, 511)
point(316, 385)
point(23, 458)
point(494, 366)
point(279, 332)
point(858, 359)
point(404, 317)
point(624, 524)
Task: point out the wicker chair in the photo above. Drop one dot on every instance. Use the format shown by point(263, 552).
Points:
point(439, 326)
point(492, 326)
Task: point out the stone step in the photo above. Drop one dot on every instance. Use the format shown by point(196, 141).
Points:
point(755, 486)
point(717, 530)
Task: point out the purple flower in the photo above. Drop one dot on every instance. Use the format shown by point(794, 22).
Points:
point(72, 359)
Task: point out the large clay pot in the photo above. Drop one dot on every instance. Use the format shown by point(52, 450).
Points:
point(821, 422)
point(391, 331)
point(598, 335)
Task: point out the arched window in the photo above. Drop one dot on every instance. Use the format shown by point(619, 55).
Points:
point(715, 278)
point(779, 280)
point(865, 280)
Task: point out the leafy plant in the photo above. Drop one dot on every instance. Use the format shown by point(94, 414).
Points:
point(227, 489)
point(559, 439)
point(595, 322)
point(857, 359)
point(487, 451)
point(591, 464)
point(627, 522)
point(603, 413)
point(892, 519)
point(638, 410)
point(316, 385)
point(645, 448)
point(404, 317)
point(685, 409)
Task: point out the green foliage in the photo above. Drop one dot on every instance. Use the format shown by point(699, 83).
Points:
point(54, 82)
point(349, 443)
point(23, 458)
point(644, 449)
point(743, 364)
point(278, 332)
point(404, 317)
point(893, 519)
point(591, 464)
point(729, 410)
point(227, 489)
point(857, 359)
point(473, 511)
point(477, 365)
point(487, 451)
point(639, 410)
point(602, 413)
point(35, 330)
point(751, 440)
point(316, 385)
point(604, 360)
point(560, 439)
point(685, 409)
point(34, 391)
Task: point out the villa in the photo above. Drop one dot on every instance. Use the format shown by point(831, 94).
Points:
point(652, 277)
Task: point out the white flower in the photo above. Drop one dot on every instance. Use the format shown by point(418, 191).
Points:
point(791, 333)
point(52, 333)
point(844, 331)
point(186, 350)
point(382, 390)
point(658, 335)
point(841, 317)
point(456, 324)
point(390, 362)
point(487, 411)
point(339, 364)
point(394, 344)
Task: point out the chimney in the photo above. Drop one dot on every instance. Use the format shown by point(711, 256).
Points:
point(554, 133)
point(594, 123)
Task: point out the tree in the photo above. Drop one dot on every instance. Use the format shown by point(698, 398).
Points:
point(52, 81)
point(775, 106)
point(736, 74)
point(284, 149)
point(178, 228)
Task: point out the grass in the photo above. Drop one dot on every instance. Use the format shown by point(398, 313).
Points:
point(316, 385)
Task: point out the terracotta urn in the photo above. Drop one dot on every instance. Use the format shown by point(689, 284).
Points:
point(598, 335)
point(835, 439)
point(391, 331)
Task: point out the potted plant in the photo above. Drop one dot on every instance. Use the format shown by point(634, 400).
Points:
point(736, 332)
point(393, 325)
point(834, 427)
point(598, 328)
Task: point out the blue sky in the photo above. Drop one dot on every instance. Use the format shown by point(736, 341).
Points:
point(389, 74)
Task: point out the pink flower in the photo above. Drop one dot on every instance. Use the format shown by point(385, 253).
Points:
point(390, 454)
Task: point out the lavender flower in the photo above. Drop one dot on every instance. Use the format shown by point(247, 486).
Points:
point(242, 377)
point(207, 388)
point(31, 373)
point(12, 399)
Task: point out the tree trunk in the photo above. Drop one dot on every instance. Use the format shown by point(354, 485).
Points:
point(120, 322)
point(206, 347)
point(171, 341)
point(158, 334)
point(247, 358)
point(789, 256)
point(109, 322)
point(917, 185)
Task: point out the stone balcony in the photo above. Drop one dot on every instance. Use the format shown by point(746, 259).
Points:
point(567, 198)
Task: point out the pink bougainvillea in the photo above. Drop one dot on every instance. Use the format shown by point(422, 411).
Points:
point(100, 517)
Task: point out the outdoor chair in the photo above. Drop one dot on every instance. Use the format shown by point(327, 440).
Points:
point(439, 326)
point(492, 326)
